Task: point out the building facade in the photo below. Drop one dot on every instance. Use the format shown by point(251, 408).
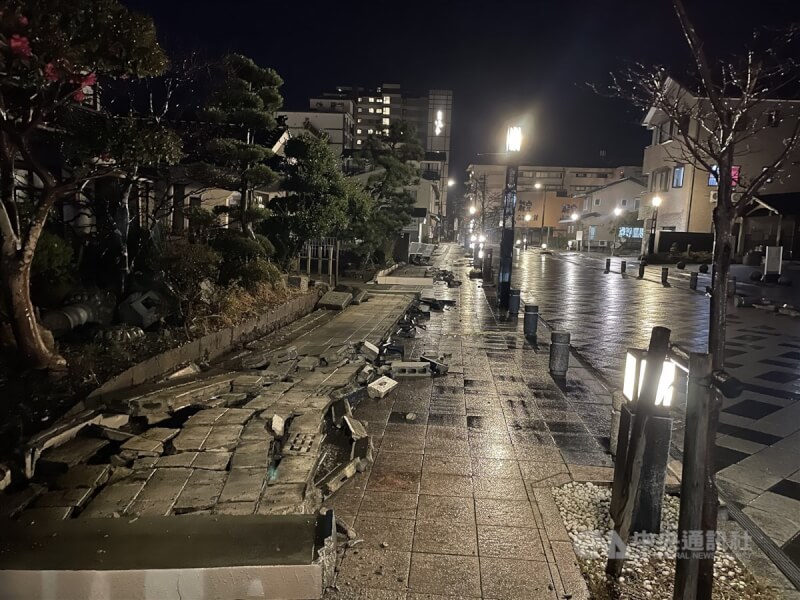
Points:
point(687, 191)
point(374, 110)
point(337, 127)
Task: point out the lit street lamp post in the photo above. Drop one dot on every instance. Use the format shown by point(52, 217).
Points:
point(651, 243)
point(617, 213)
point(513, 145)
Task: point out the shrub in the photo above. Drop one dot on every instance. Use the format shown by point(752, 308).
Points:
point(266, 245)
point(235, 246)
point(53, 259)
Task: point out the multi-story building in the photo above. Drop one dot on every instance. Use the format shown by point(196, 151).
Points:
point(375, 109)
point(546, 194)
point(336, 126)
point(687, 190)
point(603, 210)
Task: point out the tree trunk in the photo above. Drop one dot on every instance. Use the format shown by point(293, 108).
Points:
point(121, 232)
point(724, 216)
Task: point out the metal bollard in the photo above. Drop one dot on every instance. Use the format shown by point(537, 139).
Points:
point(623, 267)
point(513, 302)
point(531, 322)
point(559, 353)
point(642, 265)
point(693, 280)
point(664, 275)
point(608, 265)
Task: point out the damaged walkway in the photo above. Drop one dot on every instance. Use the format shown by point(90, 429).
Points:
point(458, 501)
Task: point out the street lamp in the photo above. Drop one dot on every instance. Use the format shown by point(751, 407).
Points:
point(472, 210)
point(655, 202)
point(513, 146)
point(617, 213)
point(450, 182)
point(528, 217)
point(574, 216)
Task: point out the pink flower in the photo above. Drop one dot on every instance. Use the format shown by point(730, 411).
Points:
point(51, 72)
point(23, 20)
point(89, 80)
point(20, 45)
point(78, 96)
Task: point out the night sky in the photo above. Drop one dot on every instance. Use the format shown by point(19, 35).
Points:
point(522, 62)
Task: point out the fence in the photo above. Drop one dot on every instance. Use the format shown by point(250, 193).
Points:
point(322, 255)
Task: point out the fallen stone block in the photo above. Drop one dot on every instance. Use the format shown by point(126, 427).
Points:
point(302, 444)
point(247, 384)
point(139, 446)
point(308, 363)
point(84, 476)
point(360, 296)
point(335, 300)
point(77, 450)
point(339, 410)
point(381, 386)
point(46, 515)
point(278, 425)
point(57, 435)
point(338, 477)
point(226, 400)
point(299, 282)
point(369, 350)
point(251, 454)
point(278, 372)
point(335, 354)
point(439, 368)
point(188, 370)
point(160, 434)
point(145, 462)
point(365, 375)
point(410, 369)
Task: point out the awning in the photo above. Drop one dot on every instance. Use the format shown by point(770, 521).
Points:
point(781, 204)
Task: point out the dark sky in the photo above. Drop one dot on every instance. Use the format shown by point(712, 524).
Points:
point(506, 62)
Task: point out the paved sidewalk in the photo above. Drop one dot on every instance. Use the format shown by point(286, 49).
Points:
point(458, 502)
point(758, 444)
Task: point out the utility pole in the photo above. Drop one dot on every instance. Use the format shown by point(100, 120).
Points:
point(483, 204)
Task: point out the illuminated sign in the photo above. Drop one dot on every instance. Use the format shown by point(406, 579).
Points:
point(439, 122)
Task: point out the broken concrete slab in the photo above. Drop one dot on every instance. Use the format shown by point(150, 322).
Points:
point(84, 476)
point(308, 363)
point(160, 434)
point(109, 433)
point(256, 360)
point(360, 296)
point(339, 477)
point(191, 438)
point(247, 384)
point(278, 372)
point(207, 416)
point(309, 422)
point(381, 386)
point(234, 508)
point(58, 434)
point(438, 367)
point(295, 469)
point(160, 492)
point(302, 444)
point(369, 350)
point(180, 460)
point(339, 410)
point(365, 375)
point(335, 354)
point(212, 461)
point(244, 485)
point(200, 492)
point(113, 500)
point(226, 400)
point(187, 371)
point(69, 454)
point(139, 446)
point(145, 462)
point(222, 437)
point(410, 369)
point(251, 454)
point(283, 499)
point(335, 300)
point(235, 416)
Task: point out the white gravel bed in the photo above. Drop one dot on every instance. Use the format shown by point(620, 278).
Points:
point(649, 570)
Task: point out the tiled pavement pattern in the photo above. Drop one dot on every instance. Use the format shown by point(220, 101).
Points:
point(458, 502)
point(758, 446)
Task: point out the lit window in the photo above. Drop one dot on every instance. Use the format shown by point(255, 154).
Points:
point(369, 131)
point(359, 99)
point(385, 132)
point(386, 99)
point(360, 109)
point(358, 142)
point(359, 120)
point(379, 100)
point(358, 131)
point(372, 99)
point(677, 176)
point(372, 110)
point(379, 110)
point(385, 121)
point(386, 110)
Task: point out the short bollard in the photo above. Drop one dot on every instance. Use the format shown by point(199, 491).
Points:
point(623, 266)
point(531, 323)
point(513, 302)
point(641, 269)
point(693, 280)
point(664, 275)
point(559, 353)
point(608, 265)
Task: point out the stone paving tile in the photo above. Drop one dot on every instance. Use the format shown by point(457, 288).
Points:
point(511, 513)
point(446, 508)
point(388, 504)
point(396, 534)
point(444, 574)
point(381, 569)
point(438, 484)
point(503, 578)
point(510, 542)
point(445, 537)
